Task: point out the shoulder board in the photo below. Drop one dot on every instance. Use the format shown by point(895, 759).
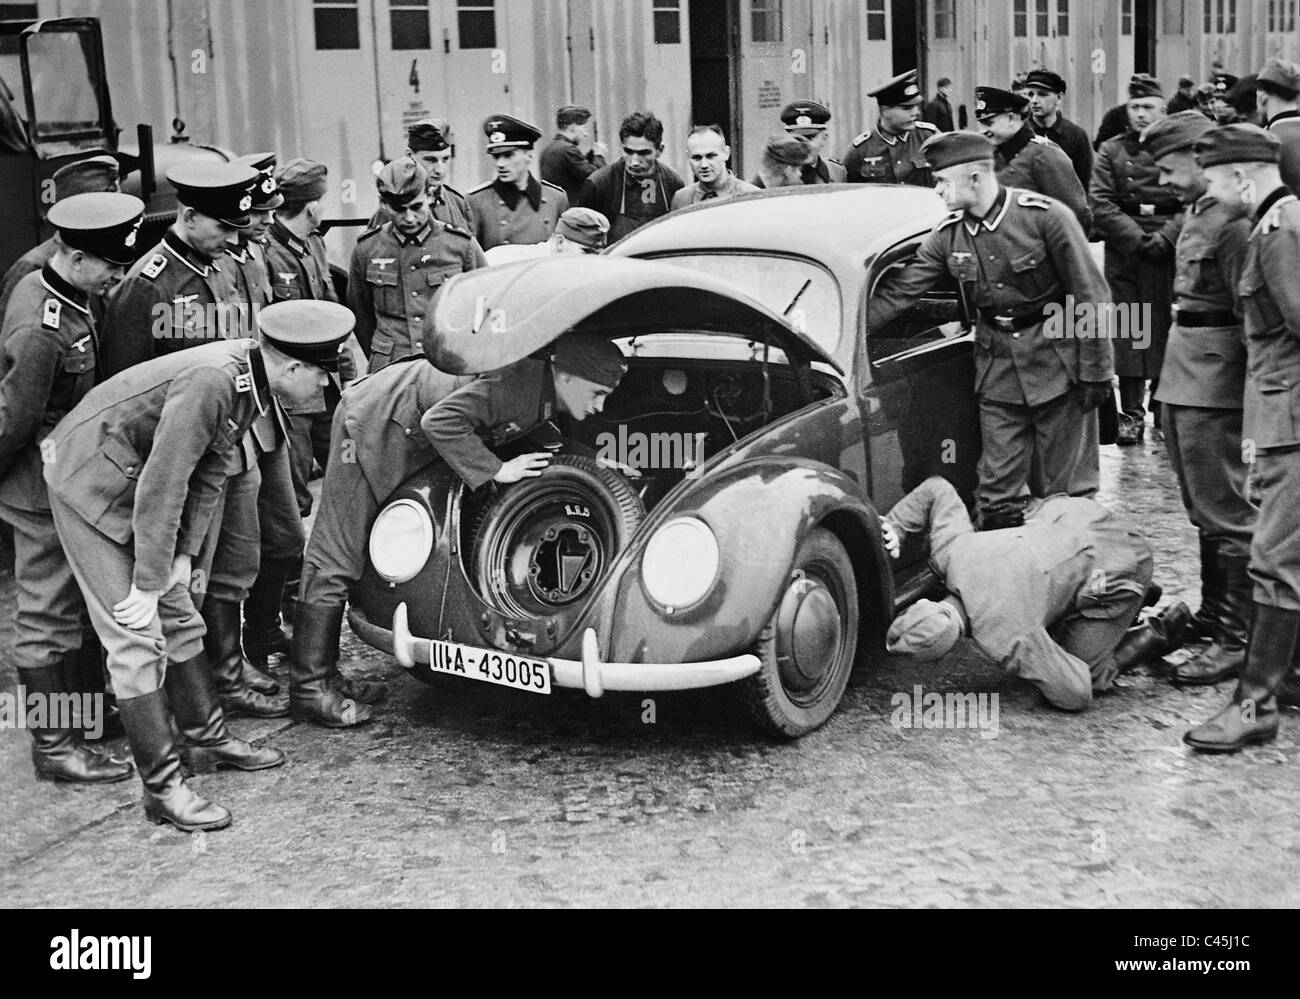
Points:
point(51, 314)
point(448, 227)
point(369, 233)
point(448, 189)
point(553, 187)
point(950, 218)
point(832, 159)
point(482, 187)
point(862, 138)
point(157, 263)
point(926, 126)
point(1042, 140)
point(1271, 221)
point(1028, 199)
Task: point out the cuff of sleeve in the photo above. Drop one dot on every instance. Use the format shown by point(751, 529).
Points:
point(145, 578)
point(478, 477)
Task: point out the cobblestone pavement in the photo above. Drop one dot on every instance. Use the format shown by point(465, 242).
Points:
point(464, 794)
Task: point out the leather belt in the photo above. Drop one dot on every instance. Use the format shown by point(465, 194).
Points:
point(1216, 317)
point(1006, 324)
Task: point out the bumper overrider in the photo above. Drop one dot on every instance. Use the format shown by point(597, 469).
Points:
point(589, 673)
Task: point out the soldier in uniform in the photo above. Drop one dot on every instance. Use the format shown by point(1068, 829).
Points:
point(245, 257)
point(96, 173)
point(1019, 255)
point(1241, 172)
point(810, 120)
point(783, 161)
point(176, 295)
point(580, 230)
point(1025, 160)
point(514, 207)
point(890, 153)
point(637, 188)
point(1045, 90)
point(709, 154)
point(438, 419)
point(152, 447)
point(1116, 120)
point(1221, 109)
point(1138, 220)
point(48, 354)
point(397, 268)
point(1201, 386)
point(563, 161)
point(428, 142)
point(1278, 90)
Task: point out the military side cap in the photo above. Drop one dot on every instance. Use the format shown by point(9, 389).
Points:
point(589, 356)
point(96, 173)
point(432, 135)
point(402, 181)
point(899, 92)
point(307, 329)
point(1223, 82)
point(266, 195)
point(222, 191)
point(104, 224)
point(1174, 132)
point(1018, 84)
point(1144, 85)
point(302, 180)
point(805, 114)
point(928, 629)
point(992, 100)
point(584, 226)
point(1239, 143)
point(506, 132)
point(1045, 79)
point(1282, 72)
point(949, 149)
point(792, 150)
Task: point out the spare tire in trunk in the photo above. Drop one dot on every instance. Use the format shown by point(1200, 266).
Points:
point(542, 545)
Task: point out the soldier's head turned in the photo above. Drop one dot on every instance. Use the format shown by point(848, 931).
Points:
point(573, 121)
point(580, 230)
point(301, 343)
point(214, 202)
point(429, 141)
point(1278, 86)
point(510, 143)
point(587, 369)
point(641, 136)
point(899, 101)
point(784, 157)
point(97, 238)
point(403, 187)
point(1240, 163)
point(266, 193)
point(1000, 113)
point(94, 173)
point(809, 120)
point(962, 166)
point(303, 184)
point(1171, 143)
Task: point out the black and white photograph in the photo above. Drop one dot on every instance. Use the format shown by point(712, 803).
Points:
point(651, 454)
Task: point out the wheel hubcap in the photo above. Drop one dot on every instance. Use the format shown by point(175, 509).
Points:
point(809, 630)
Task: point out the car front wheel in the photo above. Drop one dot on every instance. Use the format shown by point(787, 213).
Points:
point(808, 647)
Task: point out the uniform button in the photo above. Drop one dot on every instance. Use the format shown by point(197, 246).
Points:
point(1001, 285)
point(1015, 336)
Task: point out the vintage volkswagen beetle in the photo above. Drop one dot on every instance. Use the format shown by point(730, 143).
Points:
point(751, 554)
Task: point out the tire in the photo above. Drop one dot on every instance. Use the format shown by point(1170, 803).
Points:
point(542, 546)
point(808, 647)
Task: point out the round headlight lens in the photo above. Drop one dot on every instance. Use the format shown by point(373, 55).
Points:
point(680, 563)
point(401, 541)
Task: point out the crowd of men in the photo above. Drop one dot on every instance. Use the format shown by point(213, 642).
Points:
point(162, 409)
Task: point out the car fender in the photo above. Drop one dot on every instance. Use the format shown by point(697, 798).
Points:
point(760, 511)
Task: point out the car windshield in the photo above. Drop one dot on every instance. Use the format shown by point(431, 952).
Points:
point(805, 293)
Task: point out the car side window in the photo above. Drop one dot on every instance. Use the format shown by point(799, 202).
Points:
point(940, 315)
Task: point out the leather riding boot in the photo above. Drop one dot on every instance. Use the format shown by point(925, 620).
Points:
point(207, 744)
point(1158, 635)
point(1201, 628)
point(289, 602)
point(222, 646)
point(86, 671)
point(167, 798)
point(1232, 605)
point(263, 636)
point(57, 749)
point(1252, 715)
point(315, 693)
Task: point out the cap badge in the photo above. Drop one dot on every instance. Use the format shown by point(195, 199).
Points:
point(496, 137)
point(979, 105)
point(268, 185)
point(911, 90)
point(803, 121)
point(130, 236)
point(246, 202)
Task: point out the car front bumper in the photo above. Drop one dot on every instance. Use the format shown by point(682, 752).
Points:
point(589, 673)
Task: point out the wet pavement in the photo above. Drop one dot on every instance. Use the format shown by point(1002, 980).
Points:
point(469, 795)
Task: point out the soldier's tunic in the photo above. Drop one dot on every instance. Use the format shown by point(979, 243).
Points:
point(1027, 254)
point(1128, 202)
point(1270, 301)
point(376, 445)
point(563, 164)
point(445, 202)
point(1033, 163)
point(48, 355)
point(505, 214)
point(165, 304)
point(33, 260)
point(1286, 126)
point(136, 473)
point(1074, 142)
point(248, 271)
point(392, 280)
point(1049, 601)
point(877, 158)
point(1203, 377)
point(825, 171)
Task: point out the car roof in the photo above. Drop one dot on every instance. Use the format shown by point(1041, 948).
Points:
point(839, 225)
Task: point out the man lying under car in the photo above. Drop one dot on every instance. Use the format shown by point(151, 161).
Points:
point(388, 426)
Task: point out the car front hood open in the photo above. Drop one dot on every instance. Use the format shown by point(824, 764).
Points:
point(486, 319)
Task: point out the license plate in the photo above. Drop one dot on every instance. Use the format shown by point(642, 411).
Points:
point(467, 662)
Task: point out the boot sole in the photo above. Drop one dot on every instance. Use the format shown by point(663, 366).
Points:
point(1203, 681)
point(53, 778)
point(1230, 747)
point(207, 764)
point(162, 820)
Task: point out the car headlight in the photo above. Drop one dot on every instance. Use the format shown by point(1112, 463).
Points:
point(680, 563)
point(401, 541)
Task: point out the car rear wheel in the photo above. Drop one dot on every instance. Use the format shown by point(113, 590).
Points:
point(542, 545)
point(808, 647)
